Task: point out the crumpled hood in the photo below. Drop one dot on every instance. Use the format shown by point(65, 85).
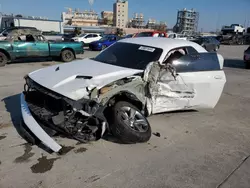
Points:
point(71, 79)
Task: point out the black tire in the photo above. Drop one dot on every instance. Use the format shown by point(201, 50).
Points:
point(67, 55)
point(3, 59)
point(216, 48)
point(247, 65)
point(130, 132)
point(104, 46)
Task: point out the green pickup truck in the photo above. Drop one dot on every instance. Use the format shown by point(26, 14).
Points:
point(26, 44)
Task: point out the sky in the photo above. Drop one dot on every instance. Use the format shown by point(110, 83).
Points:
point(213, 13)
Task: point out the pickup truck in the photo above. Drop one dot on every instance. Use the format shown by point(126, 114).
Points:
point(33, 45)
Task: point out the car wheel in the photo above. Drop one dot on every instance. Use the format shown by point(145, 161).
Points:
point(216, 48)
point(129, 124)
point(104, 46)
point(247, 65)
point(3, 59)
point(67, 55)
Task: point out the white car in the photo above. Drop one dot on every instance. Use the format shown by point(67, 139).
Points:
point(119, 88)
point(177, 36)
point(88, 38)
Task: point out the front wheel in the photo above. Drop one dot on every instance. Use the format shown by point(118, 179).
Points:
point(104, 46)
point(216, 48)
point(3, 59)
point(67, 55)
point(129, 124)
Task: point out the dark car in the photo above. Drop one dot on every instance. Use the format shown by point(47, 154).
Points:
point(247, 57)
point(104, 42)
point(209, 43)
point(68, 37)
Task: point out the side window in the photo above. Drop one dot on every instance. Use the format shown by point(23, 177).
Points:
point(88, 36)
point(191, 50)
point(95, 35)
point(30, 38)
point(198, 63)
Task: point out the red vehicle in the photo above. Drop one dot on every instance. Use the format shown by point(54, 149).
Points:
point(152, 34)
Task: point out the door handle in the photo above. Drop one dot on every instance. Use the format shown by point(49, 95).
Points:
point(218, 77)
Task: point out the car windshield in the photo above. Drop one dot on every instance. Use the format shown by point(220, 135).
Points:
point(82, 35)
point(105, 38)
point(134, 56)
point(144, 34)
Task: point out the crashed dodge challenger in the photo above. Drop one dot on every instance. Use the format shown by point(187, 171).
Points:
point(119, 88)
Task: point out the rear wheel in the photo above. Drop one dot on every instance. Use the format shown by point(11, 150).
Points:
point(129, 124)
point(67, 55)
point(3, 59)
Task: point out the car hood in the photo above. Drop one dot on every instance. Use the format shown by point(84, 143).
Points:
point(73, 79)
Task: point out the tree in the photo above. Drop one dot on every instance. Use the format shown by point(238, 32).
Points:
point(77, 31)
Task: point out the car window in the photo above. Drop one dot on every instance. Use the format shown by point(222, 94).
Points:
point(171, 36)
point(129, 55)
point(144, 34)
point(95, 35)
point(89, 36)
point(197, 63)
point(191, 50)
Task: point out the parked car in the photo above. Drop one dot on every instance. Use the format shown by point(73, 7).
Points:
point(104, 42)
point(209, 43)
point(28, 43)
point(247, 57)
point(151, 34)
point(68, 37)
point(116, 90)
point(177, 36)
point(87, 38)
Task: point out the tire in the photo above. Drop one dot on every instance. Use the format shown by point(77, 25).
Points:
point(123, 125)
point(104, 46)
point(67, 55)
point(216, 48)
point(3, 59)
point(247, 65)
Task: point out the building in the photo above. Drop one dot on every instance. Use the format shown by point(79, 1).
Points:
point(151, 24)
point(107, 17)
point(43, 24)
point(187, 21)
point(80, 18)
point(120, 10)
point(137, 21)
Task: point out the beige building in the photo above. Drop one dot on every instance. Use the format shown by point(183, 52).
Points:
point(80, 18)
point(107, 17)
point(120, 9)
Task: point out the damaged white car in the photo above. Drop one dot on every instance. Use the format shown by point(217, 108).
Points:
point(119, 88)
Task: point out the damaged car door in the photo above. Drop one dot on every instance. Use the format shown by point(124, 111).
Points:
point(193, 81)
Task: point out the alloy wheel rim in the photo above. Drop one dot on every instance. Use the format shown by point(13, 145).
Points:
point(133, 119)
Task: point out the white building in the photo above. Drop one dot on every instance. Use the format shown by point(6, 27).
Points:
point(40, 23)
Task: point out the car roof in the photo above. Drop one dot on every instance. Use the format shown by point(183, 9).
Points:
point(164, 43)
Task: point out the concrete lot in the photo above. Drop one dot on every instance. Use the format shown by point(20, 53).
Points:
point(195, 149)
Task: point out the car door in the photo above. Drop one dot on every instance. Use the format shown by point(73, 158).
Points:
point(42, 47)
point(24, 47)
point(96, 37)
point(88, 38)
point(196, 81)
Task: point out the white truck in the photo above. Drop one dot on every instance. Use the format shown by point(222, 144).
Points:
point(232, 29)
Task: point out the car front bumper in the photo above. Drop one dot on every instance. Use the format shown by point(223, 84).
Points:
point(35, 128)
point(95, 47)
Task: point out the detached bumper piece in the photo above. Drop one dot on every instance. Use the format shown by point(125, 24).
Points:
point(82, 120)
